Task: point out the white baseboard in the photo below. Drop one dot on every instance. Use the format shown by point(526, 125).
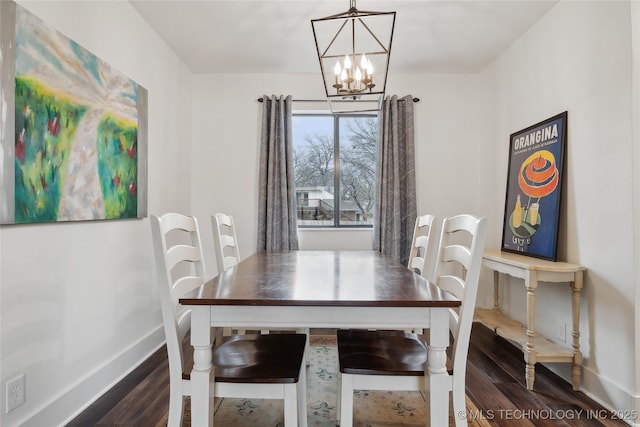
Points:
point(636, 399)
point(612, 396)
point(71, 402)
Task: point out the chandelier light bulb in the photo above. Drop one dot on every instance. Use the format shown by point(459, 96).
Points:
point(358, 74)
point(337, 72)
point(347, 76)
point(364, 63)
point(347, 62)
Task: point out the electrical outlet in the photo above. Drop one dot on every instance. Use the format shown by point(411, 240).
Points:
point(15, 393)
point(561, 334)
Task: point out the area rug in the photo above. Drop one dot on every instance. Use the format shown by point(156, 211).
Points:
point(371, 408)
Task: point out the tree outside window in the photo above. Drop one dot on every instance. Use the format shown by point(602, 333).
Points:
point(335, 154)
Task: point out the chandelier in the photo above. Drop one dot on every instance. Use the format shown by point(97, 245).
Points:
point(353, 49)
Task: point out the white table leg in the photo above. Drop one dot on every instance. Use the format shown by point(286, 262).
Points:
point(302, 395)
point(202, 374)
point(436, 367)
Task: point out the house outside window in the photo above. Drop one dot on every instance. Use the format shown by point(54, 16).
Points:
point(334, 160)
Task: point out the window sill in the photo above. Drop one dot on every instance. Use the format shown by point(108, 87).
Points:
point(325, 229)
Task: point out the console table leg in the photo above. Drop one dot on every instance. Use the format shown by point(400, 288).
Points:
point(496, 290)
point(531, 282)
point(576, 288)
point(530, 372)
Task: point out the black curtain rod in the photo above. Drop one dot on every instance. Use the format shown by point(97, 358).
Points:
point(323, 100)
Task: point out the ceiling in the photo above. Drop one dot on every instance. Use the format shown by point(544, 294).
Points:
point(241, 36)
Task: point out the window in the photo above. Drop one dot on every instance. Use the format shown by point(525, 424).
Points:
point(335, 155)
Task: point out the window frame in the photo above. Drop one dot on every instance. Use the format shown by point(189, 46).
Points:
point(336, 166)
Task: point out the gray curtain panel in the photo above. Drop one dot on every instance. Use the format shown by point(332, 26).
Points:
point(395, 211)
point(277, 225)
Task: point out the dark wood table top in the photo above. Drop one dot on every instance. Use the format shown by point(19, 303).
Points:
point(320, 278)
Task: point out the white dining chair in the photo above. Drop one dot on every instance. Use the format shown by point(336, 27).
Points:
point(244, 366)
point(420, 256)
point(226, 248)
point(389, 360)
point(228, 255)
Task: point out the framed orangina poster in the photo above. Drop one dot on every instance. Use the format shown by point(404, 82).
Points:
point(534, 189)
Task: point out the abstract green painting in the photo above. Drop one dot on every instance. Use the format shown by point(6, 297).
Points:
point(78, 150)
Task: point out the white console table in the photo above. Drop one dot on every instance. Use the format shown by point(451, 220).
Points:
point(535, 348)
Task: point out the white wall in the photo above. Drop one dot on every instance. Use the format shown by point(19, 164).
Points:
point(578, 58)
point(79, 308)
point(354, 239)
point(635, 45)
point(447, 126)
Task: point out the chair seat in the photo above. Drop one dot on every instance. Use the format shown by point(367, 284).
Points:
point(364, 352)
point(268, 359)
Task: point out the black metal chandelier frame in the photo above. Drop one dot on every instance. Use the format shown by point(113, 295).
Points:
point(351, 87)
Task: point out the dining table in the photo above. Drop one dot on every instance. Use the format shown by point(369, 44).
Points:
point(319, 289)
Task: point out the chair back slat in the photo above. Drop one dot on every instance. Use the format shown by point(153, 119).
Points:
point(457, 254)
point(419, 255)
point(225, 241)
point(182, 253)
point(224, 219)
point(183, 285)
point(452, 284)
point(228, 241)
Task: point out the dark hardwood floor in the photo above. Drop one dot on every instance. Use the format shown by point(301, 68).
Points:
point(495, 383)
